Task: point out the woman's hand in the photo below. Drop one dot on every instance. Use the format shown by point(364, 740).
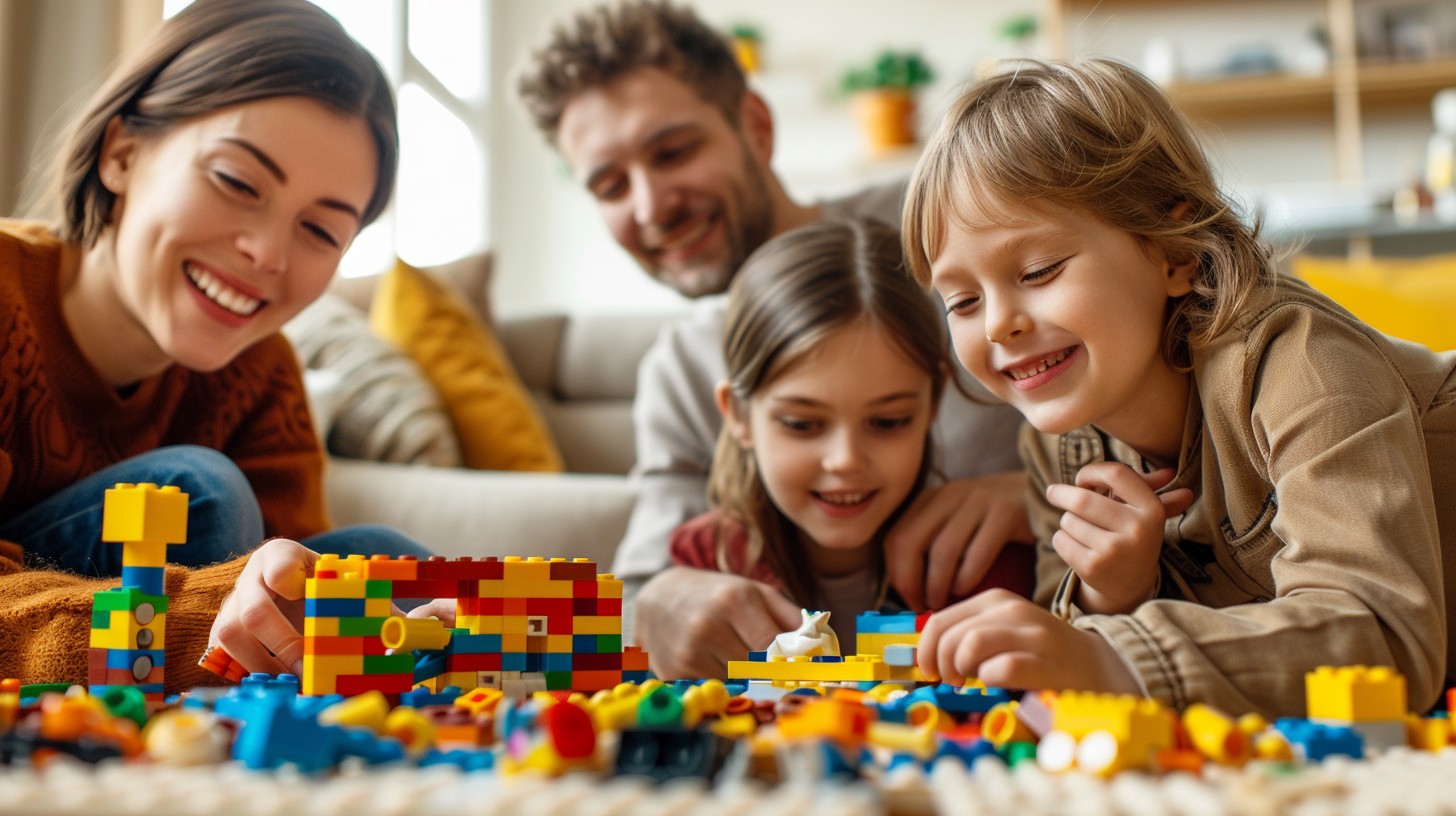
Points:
point(1006, 641)
point(260, 624)
point(1112, 532)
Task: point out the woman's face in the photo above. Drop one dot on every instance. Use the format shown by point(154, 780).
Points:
point(229, 224)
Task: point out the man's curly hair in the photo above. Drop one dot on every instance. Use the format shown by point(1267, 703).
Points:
point(590, 48)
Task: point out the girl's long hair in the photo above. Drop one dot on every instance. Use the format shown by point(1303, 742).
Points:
point(790, 295)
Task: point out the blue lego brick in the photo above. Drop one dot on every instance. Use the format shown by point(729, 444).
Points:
point(145, 688)
point(151, 580)
point(758, 657)
point(556, 662)
point(462, 642)
point(897, 623)
point(514, 661)
point(334, 607)
point(462, 758)
point(644, 676)
point(1316, 741)
point(955, 700)
point(126, 658)
point(826, 659)
point(429, 664)
point(421, 697)
point(584, 644)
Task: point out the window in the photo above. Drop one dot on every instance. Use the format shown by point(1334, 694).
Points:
point(434, 52)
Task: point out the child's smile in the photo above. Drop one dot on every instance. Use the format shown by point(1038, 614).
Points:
point(1061, 314)
point(839, 436)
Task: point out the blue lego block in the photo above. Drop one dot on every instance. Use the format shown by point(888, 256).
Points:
point(421, 697)
point(758, 657)
point(430, 664)
point(556, 662)
point(144, 688)
point(462, 642)
point(1316, 741)
point(966, 752)
point(826, 659)
point(151, 580)
point(584, 644)
point(126, 658)
point(334, 607)
point(644, 676)
point(956, 700)
point(515, 661)
point(462, 758)
point(275, 731)
point(889, 623)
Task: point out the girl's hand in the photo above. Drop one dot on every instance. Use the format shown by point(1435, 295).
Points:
point(1112, 532)
point(950, 535)
point(693, 621)
point(260, 623)
point(442, 609)
point(1006, 641)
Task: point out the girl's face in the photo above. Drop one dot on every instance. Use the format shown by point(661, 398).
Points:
point(1061, 315)
point(228, 225)
point(839, 436)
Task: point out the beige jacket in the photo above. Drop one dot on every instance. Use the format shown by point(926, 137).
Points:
point(1322, 455)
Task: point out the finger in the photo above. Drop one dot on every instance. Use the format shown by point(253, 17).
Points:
point(229, 633)
point(765, 615)
point(1117, 480)
point(987, 545)
point(1105, 512)
point(442, 609)
point(257, 612)
point(973, 643)
point(906, 545)
point(285, 567)
point(927, 650)
point(1176, 502)
point(1158, 479)
point(945, 556)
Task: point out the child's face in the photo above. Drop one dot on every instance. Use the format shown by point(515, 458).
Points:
point(1061, 315)
point(839, 436)
point(230, 224)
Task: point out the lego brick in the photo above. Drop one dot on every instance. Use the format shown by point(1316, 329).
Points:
point(361, 627)
point(327, 627)
point(484, 661)
point(608, 587)
point(151, 580)
point(129, 599)
point(597, 625)
point(589, 681)
point(468, 643)
point(584, 589)
point(334, 607)
point(529, 570)
point(393, 569)
point(144, 553)
point(426, 588)
point(885, 623)
point(1355, 694)
point(350, 685)
point(144, 512)
point(856, 668)
point(336, 587)
point(576, 570)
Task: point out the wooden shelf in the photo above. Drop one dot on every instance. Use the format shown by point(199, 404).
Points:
point(1405, 83)
point(1380, 84)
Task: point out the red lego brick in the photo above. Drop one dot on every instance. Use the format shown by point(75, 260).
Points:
point(352, 684)
point(574, 571)
point(584, 589)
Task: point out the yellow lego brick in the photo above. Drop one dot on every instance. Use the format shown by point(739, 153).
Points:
point(335, 587)
point(514, 642)
point(544, 588)
point(144, 554)
point(608, 586)
point(558, 644)
point(353, 566)
point(514, 625)
point(144, 512)
point(331, 666)
point(854, 669)
point(378, 608)
point(867, 643)
point(1355, 694)
point(320, 627)
point(125, 633)
point(1142, 725)
point(528, 570)
point(492, 588)
point(480, 624)
point(597, 625)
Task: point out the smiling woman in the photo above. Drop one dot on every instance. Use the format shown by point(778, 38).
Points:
point(205, 197)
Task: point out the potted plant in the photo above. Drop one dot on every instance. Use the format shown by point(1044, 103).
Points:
point(883, 95)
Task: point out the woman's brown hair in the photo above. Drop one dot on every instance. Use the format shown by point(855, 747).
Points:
point(215, 54)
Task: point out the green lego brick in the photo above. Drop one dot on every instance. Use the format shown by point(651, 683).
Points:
point(377, 588)
point(389, 664)
point(360, 627)
point(100, 618)
point(127, 598)
point(609, 644)
point(558, 680)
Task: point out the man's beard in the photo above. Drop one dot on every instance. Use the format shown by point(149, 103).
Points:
point(754, 228)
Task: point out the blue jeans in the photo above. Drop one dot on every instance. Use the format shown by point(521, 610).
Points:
point(224, 520)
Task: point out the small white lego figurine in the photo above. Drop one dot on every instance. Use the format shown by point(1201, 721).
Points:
point(813, 638)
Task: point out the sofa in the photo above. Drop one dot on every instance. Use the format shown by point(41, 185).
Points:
point(580, 371)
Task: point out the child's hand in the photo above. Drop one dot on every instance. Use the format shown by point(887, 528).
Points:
point(1112, 532)
point(1006, 641)
point(693, 621)
point(950, 535)
point(442, 609)
point(259, 624)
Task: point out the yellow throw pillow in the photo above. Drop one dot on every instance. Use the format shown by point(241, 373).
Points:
point(498, 426)
point(1413, 299)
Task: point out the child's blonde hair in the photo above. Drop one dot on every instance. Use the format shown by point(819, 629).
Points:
point(1094, 135)
point(789, 296)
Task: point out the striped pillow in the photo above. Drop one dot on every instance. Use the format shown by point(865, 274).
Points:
point(370, 401)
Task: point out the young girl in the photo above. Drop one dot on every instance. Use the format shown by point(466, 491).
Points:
point(206, 195)
point(835, 363)
point(1234, 481)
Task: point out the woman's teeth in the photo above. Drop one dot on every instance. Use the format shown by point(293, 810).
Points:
point(222, 294)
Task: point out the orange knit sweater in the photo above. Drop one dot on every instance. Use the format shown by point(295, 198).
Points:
point(60, 422)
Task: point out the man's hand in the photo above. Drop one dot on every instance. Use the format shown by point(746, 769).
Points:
point(260, 623)
point(692, 622)
point(1112, 532)
point(950, 535)
point(1006, 641)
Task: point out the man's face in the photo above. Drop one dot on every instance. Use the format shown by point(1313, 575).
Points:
point(680, 187)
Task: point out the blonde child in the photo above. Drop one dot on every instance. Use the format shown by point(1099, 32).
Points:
point(1233, 480)
point(835, 363)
